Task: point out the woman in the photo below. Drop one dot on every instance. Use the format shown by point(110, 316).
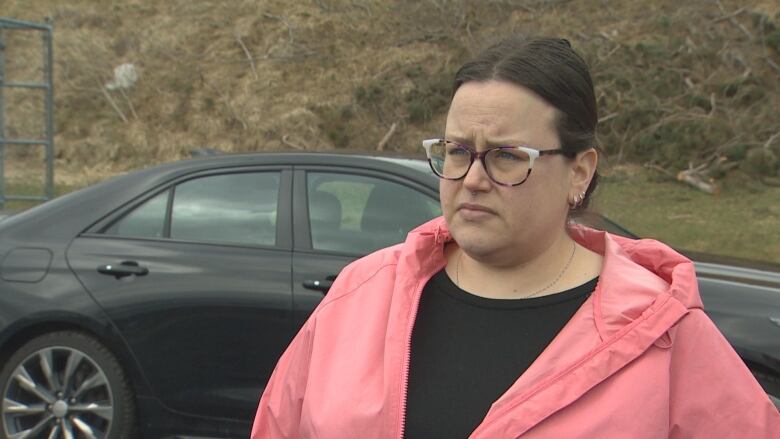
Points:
point(500, 320)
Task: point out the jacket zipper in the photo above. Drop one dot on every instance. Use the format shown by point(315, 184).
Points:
point(408, 358)
point(438, 239)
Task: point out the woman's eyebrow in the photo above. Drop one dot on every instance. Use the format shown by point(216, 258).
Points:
point(456, 138)
point(491, 143)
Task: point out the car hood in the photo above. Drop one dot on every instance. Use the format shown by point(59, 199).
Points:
point(733, 269)
point(708, 265)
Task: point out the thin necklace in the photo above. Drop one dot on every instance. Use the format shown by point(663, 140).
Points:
point(565, 267)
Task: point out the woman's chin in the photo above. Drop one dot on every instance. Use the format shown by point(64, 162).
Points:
point(479, 245)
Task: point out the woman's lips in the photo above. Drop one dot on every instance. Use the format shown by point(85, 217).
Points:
point(475, 212)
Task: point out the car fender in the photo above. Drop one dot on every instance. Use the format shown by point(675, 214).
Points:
point(33, 325)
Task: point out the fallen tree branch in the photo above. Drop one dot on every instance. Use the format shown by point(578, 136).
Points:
point(690, 44)
point(773, 65)
point(693, 178)
point(728, 166)
point(660, 169)
point(129, 103)
point(771, 139)
point(286, 141)
point(608, 117)
point(734, 21)
point(382, 143)
point(606, 36)
point(248, 55)
point(701, 167)
point(742, 28)
point(728, 16)
point(712, 105)
point(112, 102)
point(610, 53)
point(582, 35)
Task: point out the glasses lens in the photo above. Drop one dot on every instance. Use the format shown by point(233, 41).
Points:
point(450, 160)
point(507, 166)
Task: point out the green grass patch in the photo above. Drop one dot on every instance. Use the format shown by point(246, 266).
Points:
point(742, 221)
point(29, 187)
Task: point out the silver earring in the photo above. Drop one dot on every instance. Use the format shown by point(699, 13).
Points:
point(578, 199)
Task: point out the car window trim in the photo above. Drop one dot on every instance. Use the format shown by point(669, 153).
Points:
point(168, 212)
point(184, 241)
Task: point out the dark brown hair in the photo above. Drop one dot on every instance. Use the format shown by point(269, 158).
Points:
point(550, 68)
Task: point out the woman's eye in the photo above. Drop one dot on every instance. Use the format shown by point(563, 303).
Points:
point(505, 155)
point(510, 155)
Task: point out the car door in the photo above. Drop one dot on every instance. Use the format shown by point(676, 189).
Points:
point(343, 213)
point(196, 277)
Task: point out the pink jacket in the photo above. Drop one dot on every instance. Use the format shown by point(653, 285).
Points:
point(639, 359)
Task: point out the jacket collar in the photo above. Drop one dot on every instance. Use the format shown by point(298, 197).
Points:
point(633, 274)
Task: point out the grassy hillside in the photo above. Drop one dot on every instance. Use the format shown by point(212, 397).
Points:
point(678, 83)
point(674, 81)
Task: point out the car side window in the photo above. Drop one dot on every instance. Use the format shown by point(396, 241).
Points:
point(145, 221)
point(229, 208)
point(359, 214)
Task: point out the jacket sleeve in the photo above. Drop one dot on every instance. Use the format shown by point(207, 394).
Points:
point(713, 394)
point(279, 411)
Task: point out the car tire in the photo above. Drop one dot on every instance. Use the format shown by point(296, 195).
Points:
point(62, 382)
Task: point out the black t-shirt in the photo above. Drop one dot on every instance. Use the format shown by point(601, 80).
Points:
point(468, 350)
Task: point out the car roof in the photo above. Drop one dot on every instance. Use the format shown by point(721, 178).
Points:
point(415, 161)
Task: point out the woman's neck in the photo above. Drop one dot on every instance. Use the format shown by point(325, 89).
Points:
point(562, 266)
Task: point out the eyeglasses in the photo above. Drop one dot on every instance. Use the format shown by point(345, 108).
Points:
point(505, 165)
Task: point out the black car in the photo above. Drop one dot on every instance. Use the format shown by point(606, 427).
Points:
point(158, 303)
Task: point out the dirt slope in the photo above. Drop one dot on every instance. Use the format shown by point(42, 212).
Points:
point(677, 81)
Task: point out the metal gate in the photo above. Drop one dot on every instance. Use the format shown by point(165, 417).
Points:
point(46, 87)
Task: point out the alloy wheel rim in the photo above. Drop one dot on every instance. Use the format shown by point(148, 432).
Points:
point(57, 392)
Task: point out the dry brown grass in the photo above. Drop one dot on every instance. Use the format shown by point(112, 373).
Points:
point(338, 73)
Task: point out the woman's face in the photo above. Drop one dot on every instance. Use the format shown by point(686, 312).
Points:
point(497, 224)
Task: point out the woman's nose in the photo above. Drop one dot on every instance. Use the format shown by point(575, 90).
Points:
point(476, 178)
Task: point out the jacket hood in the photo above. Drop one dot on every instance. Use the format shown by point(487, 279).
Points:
point(634, 272)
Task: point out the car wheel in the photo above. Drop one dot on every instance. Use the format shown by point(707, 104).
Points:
point(65, 385)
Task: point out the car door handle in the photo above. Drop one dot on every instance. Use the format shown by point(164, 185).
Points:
point(320, 285)
point(125, 268)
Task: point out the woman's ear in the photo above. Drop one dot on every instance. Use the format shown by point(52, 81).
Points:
point(583, 167)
